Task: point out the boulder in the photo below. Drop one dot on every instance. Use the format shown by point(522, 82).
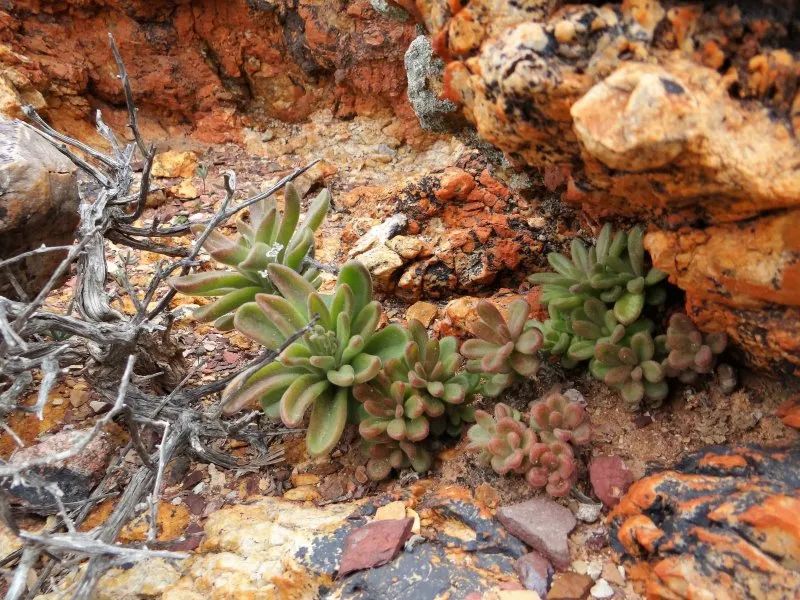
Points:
point(274, 548)
point(686, 117)
point(38, 204)
point(201, 68)
point(722, 522)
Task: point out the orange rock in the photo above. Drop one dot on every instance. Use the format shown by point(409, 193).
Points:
point(653, 131)
point(727, 526)
point(737, 286)
point(789, 412)
point(223, 60)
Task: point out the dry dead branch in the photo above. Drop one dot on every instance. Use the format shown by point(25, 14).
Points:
point(37, 344)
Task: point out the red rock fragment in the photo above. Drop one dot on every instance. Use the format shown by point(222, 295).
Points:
point(542, 524)
point(374, 544)
point(610, 479)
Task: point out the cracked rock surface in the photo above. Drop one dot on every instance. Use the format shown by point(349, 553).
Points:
point(723, 522)
point(684, 116)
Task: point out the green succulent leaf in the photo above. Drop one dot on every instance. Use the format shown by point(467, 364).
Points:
point(250, 320)
point(227, 303)
point(327, 421)
point(355, 275)
point(210, 283)
point(628, 308)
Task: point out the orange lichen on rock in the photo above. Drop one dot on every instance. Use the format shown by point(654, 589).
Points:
point(741, 278)
point(789, 412)
point(727, 519)
point(463, 230)
point(205, 68)
point(684, 115)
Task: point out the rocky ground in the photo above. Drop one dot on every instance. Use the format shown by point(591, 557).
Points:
point(432, 266)
point(684, 117)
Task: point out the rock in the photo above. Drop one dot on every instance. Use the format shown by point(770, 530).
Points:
point(383, 264)
point(601, 590)
point(349, 61)
point(542, 524)
point(150, 579)
point(424, 72)
point(38, 205)
point(659, 133)
point(789, 412)
point(610, 478)
point(16, 91)
point(535, 572)
point(372, 251)
point(374, 544)
point(185, 190)
point(272, 548)
point(611, 573)
point(392, 511)
point(463, 225)
point(408, 247)
point(461, 312)
point(588, 513)
point(174, 163)
point(749, 498)
point(570, 586)
point(76, 477)
point(304, 493)
point(424, 312)
point(749, 291)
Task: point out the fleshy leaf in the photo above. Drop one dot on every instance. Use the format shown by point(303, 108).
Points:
point(327, 421)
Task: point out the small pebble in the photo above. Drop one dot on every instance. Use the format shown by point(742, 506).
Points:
point(601, 590)
point(594, 569)
point(588, 513)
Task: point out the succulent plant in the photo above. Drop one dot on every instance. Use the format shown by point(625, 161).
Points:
point(504, 440)
point(453, 420)
point(386, 454)
point(557, 417)
point(510, 446)
point(268, 238)
point(317, 371)
point(689, 352)
point(573, 334)
point(552, 466)
point(631, 369)
point(503, 350)
point(392, 409)
point(613, 270)
point(431, 368)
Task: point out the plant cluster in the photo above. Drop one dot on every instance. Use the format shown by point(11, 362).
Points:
point(597, 301)
point(335, 364)
point(541, 450)
point(503, 351)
